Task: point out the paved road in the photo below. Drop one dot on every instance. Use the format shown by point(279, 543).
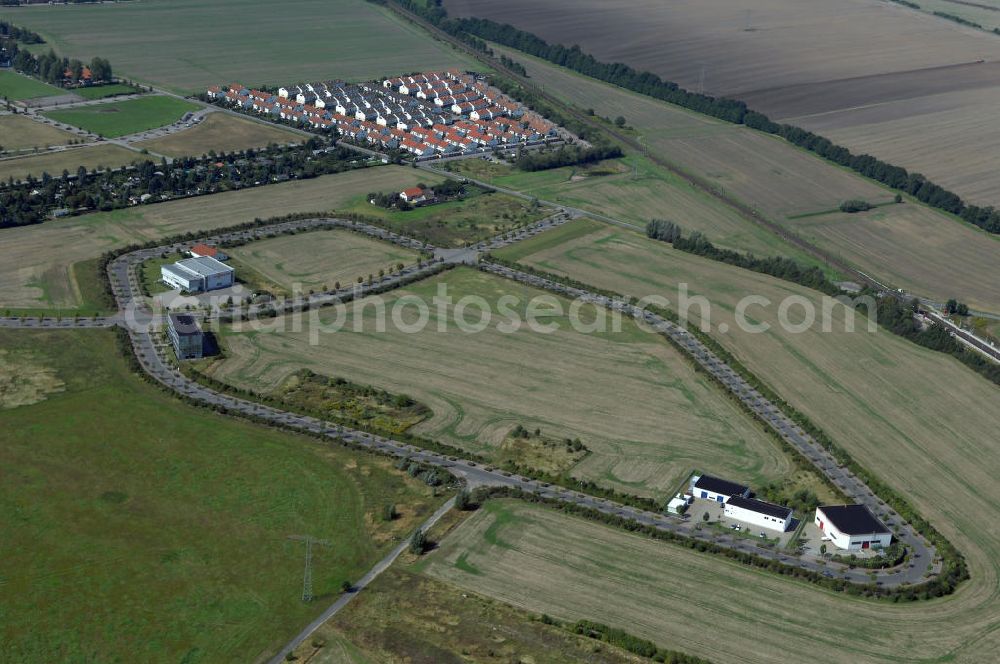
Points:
point(141, 323)
point(345, 598)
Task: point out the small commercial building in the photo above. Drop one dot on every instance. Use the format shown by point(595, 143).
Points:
point(707, 487)
point(852, 527)
point(758, 513)
point(679, 503)
point(195, 275)
point(186, 336)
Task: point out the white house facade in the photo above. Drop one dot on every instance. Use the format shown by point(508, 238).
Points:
point(707, 487)
point(852, 527)
point(758, 513)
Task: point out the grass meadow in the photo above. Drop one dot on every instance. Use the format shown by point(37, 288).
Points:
point(16, 87)
point(114, 119)
point(36, 261)
point(187, 45)
point(317, 260)
point(665, 421)
point(221, 132)
point(166, 541)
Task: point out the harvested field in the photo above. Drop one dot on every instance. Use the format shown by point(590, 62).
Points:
point(221, 132)
point(871, 236)
point(113, 119)
point(35, 260)
point(666, 421)
point(785, 181)
point(92, 156)
point(811, 63)
point(542, 561)
point(916, 418)
point(20, 133)
point(107, 518)
point(984, 12)
point(188, 45)
point(319, 259)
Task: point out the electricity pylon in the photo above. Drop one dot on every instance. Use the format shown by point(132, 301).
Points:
point(307, 575)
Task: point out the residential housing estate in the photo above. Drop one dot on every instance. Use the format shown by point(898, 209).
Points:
point(427, 115)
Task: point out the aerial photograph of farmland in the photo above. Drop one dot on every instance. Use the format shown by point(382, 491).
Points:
point(534, 332)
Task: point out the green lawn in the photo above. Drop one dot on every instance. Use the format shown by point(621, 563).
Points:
point(115, 119)
point(101, 91)
point(187, 45)
point(16, 87)
point(138, 528)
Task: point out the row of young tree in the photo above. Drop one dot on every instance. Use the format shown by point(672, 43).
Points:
point(33, 200)
point(775, 266)
point(731, 110)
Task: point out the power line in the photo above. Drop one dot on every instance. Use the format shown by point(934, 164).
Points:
point(307, 580)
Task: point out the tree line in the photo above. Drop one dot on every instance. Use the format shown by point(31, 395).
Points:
point(52, 69)
point(23, 35)
point(566, 155)
point(730, 110)
point(34, 200)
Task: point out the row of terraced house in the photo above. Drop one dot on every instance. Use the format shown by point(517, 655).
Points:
point(428, 115)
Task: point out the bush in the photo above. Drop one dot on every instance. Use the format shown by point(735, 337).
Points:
point(855, 205)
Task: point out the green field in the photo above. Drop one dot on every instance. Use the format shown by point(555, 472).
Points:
point(35, 261)
point(166, 541)
point(319, 259)
point(456, 223)
point(102, 91)
point(16, 87)
point(930, 253)
point(665, 421)
point(115, 119)
point(187, 45)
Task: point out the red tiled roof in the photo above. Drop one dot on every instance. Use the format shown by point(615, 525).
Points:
point(204, 250)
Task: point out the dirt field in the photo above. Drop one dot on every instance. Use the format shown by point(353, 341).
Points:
point(92, 156)
point(666, 421)
point(784, 181)
point(221, 132)
point(951, 137)
point(35, 260)
point(908, 87)
point(187, 45)
point(318, 259)
point(19, 133)
point(918, 419)
point(545, 562)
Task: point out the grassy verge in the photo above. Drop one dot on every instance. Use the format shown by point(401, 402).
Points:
point(188, 512)
point(115, 119)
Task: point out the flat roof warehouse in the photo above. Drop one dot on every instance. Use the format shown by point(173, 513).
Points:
point(201, 266)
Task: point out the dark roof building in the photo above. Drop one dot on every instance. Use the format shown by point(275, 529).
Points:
point(720, 486)
point(853, 519)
